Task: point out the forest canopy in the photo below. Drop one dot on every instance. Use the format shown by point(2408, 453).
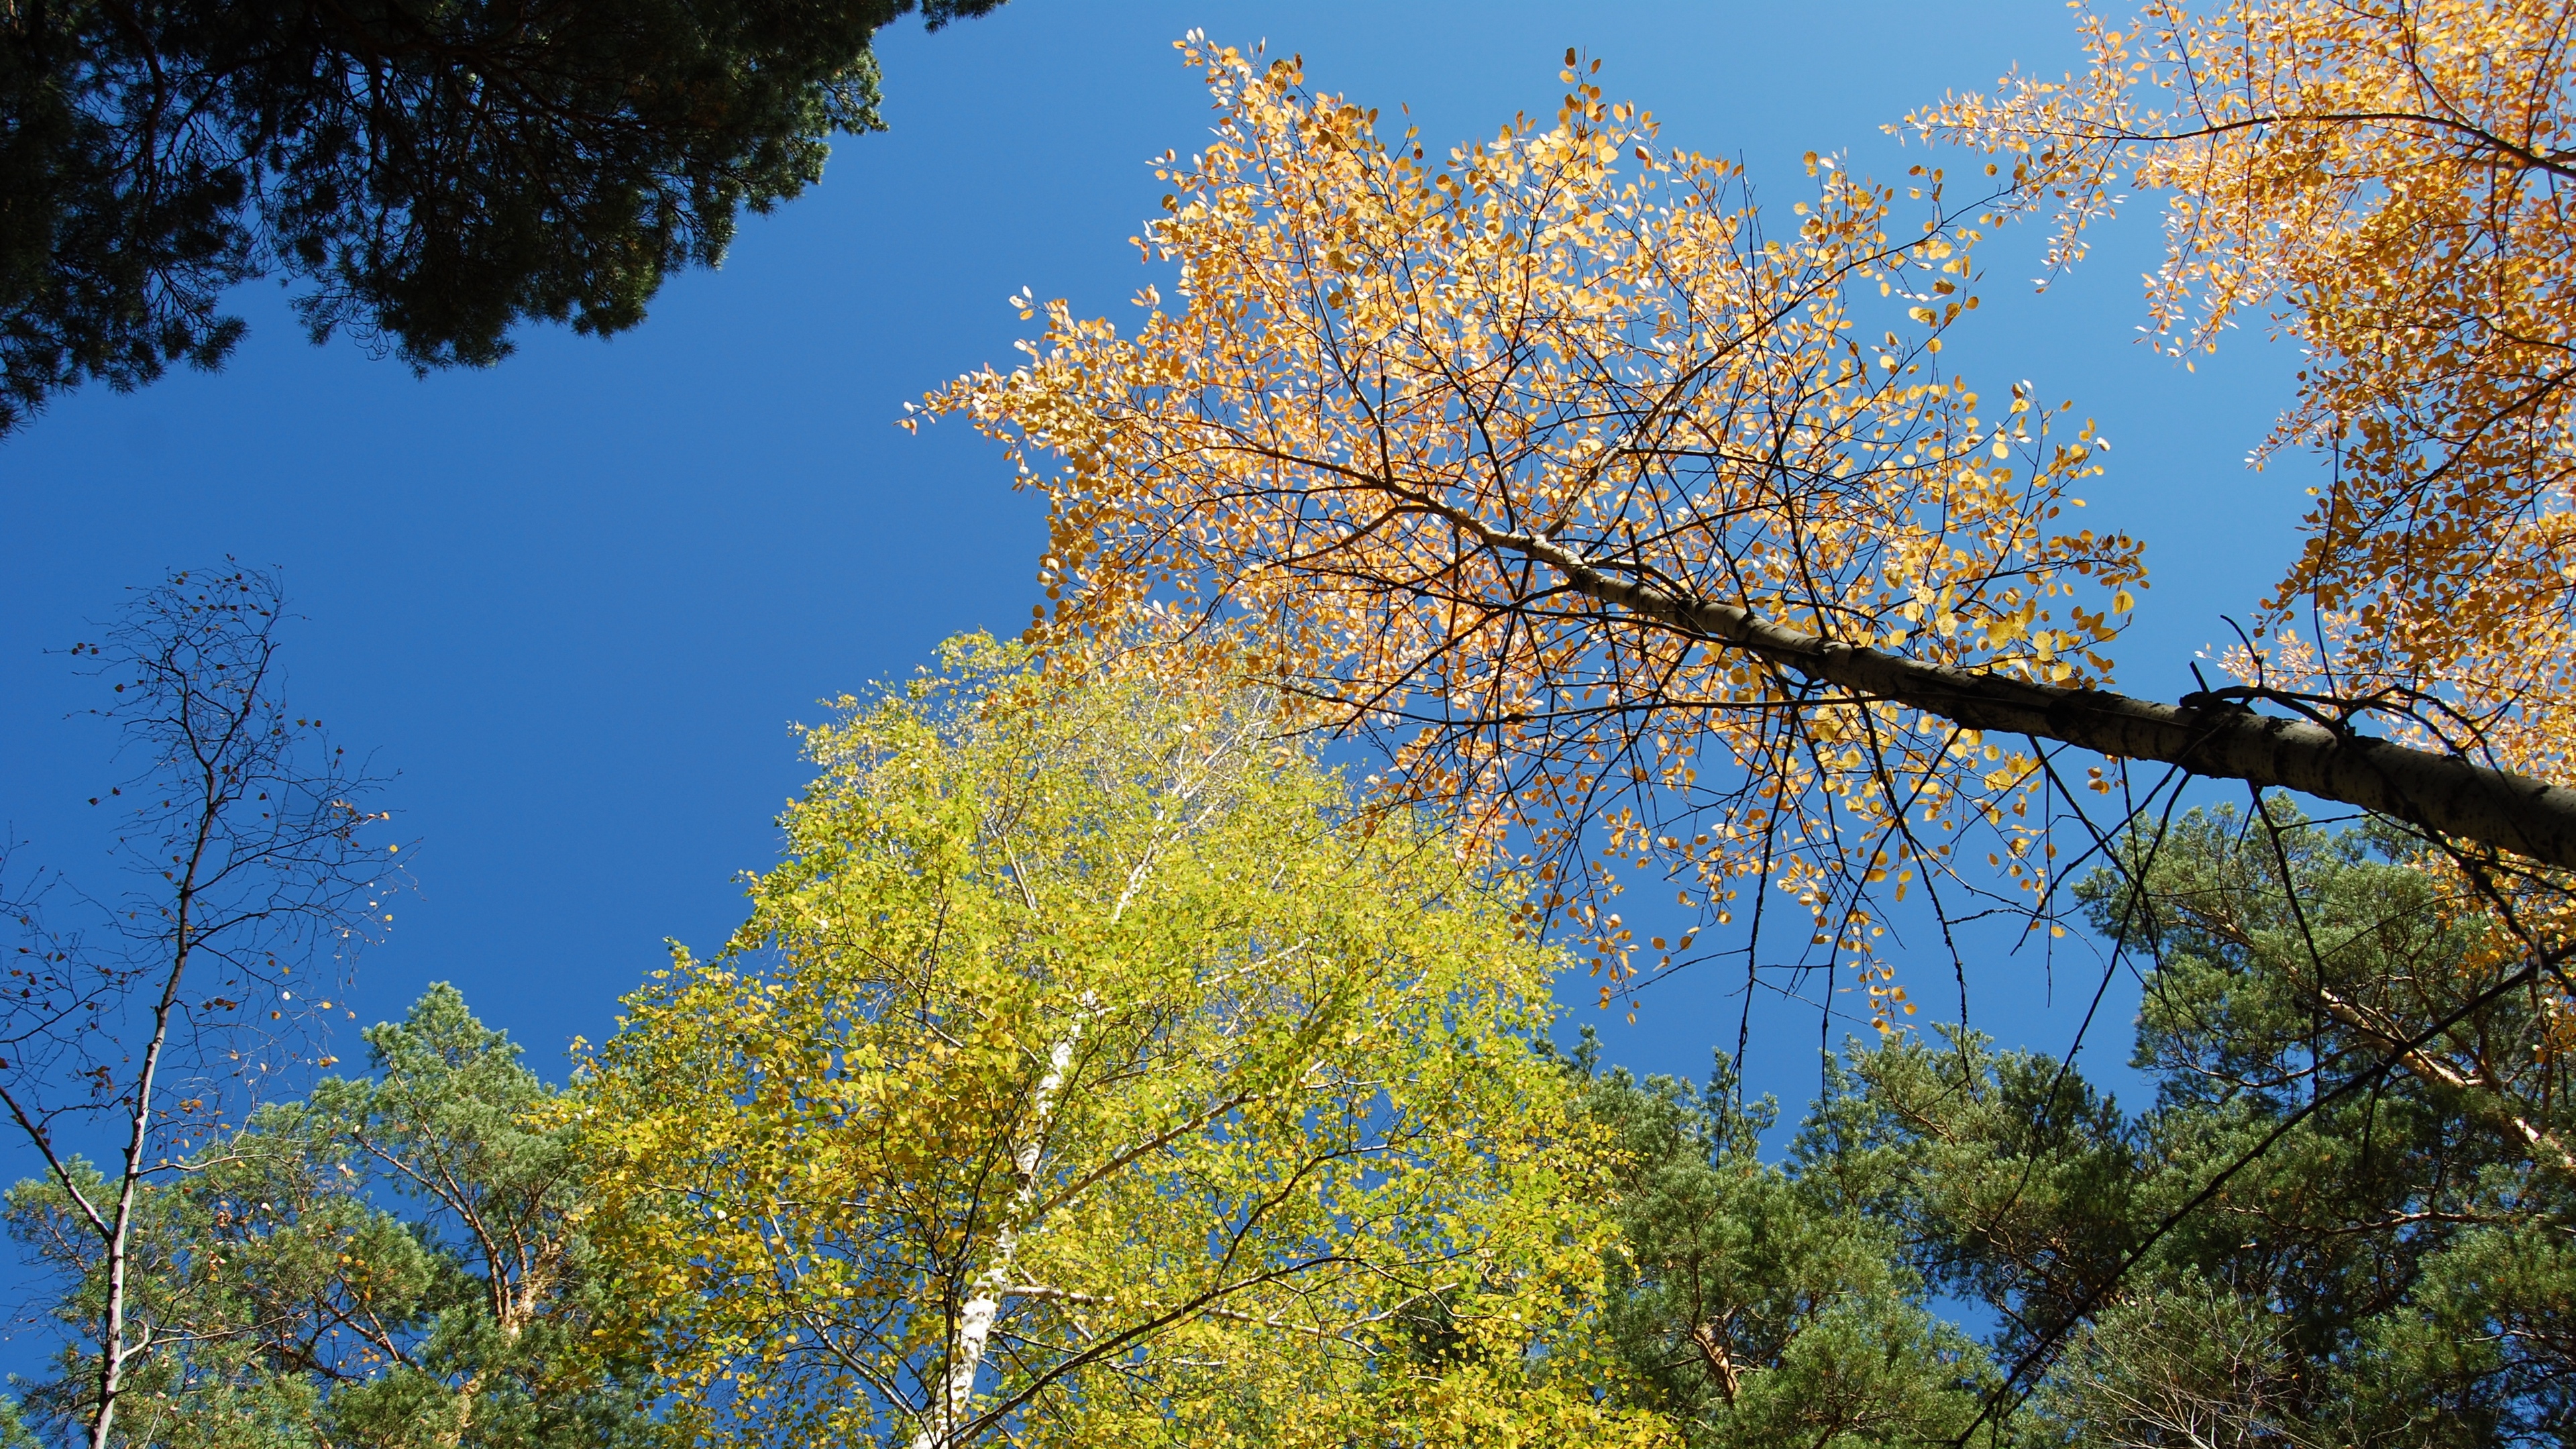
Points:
point(1494, 562)
point(433, 174)
point(972, 1170)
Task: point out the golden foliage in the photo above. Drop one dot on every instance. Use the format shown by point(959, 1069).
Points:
point(2391, 182)
point(1408, 399)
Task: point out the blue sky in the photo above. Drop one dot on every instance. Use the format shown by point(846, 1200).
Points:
point(575, 601)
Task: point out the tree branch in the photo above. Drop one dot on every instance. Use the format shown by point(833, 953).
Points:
point(2442, 793)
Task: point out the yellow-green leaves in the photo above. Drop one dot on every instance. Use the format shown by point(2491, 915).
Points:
point(1086, 1053)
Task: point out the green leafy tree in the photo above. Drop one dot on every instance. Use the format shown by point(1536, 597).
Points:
point(1089, 1072)
point(395, 1260)
point(433, 172)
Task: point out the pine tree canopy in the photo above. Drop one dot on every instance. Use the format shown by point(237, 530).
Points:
point(2324, 1230)
point(431, 173)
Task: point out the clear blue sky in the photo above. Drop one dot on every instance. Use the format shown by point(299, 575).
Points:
point(575, 601)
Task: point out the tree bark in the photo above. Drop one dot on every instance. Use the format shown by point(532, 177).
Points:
point(2442, 793)
point(983, 1304)
point(115, 1350)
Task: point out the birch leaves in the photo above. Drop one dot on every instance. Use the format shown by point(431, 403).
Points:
point(1083, 1067)
point(2391, 182)
point(1427, 426)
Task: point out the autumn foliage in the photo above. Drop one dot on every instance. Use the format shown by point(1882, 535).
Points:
point(1404, 393)
point(2386, 184)
point(1655, 536)
point(1099, 1066)
point(1090, 1074)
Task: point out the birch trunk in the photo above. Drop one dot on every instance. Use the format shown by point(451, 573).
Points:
point(983, 1303)
point(115, 1351)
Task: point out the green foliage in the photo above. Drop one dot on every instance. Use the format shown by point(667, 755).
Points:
point(2394, 1269)
point(2340, 1222)
point(1758, 1304)
point(1091, 1072)
point(434, 172)
point(393, 1261)
point(2345, 1220)
point(2012, 1182)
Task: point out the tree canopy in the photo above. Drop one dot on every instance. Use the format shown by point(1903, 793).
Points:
point(1090, 1072)
point(1097, 1066)
point(1657, 536)
point(2387, 181)
point(432, 173)
point(394, 1259)
point(2300, 1240)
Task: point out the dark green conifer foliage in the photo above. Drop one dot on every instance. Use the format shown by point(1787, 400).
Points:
point(432, 172)
point(2386, 1258)
point(1755, 1304)
point(394, 1261)
point(2383, 1251)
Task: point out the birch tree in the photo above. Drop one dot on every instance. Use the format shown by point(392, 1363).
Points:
point(136, 1022)
point(1650, 530)
point(1089, 1072)
point(2387, 184)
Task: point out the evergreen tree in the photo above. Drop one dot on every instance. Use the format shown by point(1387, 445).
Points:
point(434, 172)
point(1758, 1304)
point(2344, 1219)
point(393, 1261)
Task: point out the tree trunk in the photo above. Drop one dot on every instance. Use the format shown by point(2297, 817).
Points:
point(113, 1350)
point(983, 1303)
point(2441, 793)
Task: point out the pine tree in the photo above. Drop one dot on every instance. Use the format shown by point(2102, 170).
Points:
point(434, 173)
point(2324, 1229)
point(394, 1260)
point(1752, 1303)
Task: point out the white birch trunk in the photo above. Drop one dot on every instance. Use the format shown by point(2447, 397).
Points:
point(983, 1302)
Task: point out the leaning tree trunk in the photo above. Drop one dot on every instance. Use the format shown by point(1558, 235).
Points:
point(2441, 793)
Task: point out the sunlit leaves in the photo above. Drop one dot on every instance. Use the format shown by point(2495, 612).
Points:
point(2390, 183)
point(1087, 1067)
point(1412, 399)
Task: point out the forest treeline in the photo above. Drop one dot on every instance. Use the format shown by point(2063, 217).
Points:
point(1097, 1067)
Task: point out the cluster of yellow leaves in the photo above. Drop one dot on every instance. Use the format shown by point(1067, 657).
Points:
point(1231, 1394)
point(1090, 1003)
point(1416, 409)
point(1467, 1404)
point(2391, 180)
